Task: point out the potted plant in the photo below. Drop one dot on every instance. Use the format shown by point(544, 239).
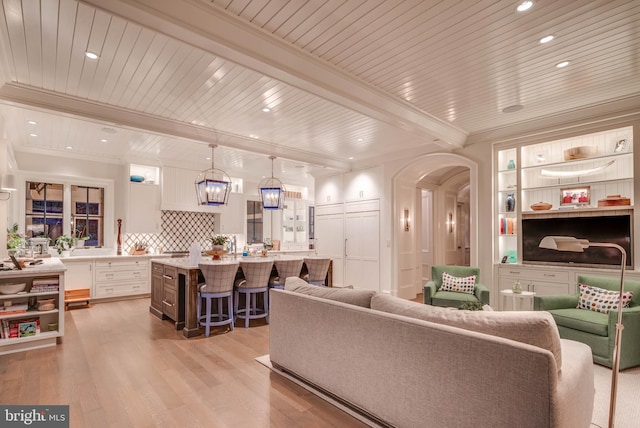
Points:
point(64, 244)
point(218, 242)
point(15, 240)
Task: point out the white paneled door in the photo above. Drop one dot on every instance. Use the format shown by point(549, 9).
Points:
point(329, 242)
point(362, 250)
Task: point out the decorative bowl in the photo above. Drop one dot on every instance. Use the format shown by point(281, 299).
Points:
point(541, 206)
point(12, 288)
point(136, 178)
point(580, 152)
point(46, 304)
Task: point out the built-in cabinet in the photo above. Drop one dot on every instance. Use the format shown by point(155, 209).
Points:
point(294, 222)
point(167, 299)
point(36, 318)
point(571, 175)
point(144, 208)
point(115, 278)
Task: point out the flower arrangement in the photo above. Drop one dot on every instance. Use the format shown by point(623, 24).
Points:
point(219, 239)
point(65, 243)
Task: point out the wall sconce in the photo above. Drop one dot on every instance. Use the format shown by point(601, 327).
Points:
point(450, 222)
point(405, 220)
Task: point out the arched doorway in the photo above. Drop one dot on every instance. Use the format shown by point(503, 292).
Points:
point(406, 244)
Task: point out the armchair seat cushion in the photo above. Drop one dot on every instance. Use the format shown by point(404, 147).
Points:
point(452, 298)
point(583, 320)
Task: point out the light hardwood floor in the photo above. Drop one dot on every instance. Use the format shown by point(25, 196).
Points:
point(119, 366)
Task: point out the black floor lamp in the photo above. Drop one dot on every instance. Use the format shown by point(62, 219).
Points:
point(569, 243)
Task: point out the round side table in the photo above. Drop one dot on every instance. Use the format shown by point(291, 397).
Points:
point(519, 301)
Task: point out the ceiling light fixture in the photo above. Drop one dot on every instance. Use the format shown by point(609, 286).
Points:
point(562, 64)
point(266, 109)
point(32, 122)
point(33, 134)
point(271, 191)
point(213, 185)
point(69, 147)
point(104, 140)
point(524, 6)
point(350, 157)
point(91, 55)
point(360, 139)
point(546, 39)
point(513, 108)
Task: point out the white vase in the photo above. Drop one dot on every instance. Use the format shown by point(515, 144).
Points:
point(66, 253)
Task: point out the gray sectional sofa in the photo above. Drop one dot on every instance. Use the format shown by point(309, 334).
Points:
point(406, 364)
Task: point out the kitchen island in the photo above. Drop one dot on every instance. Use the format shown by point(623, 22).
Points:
point(174, 288)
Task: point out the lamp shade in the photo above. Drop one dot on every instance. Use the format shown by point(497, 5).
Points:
point(8, 182)
point(564, 243)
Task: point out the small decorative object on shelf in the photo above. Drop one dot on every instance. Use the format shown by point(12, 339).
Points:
point(620, 146)
point(511, 164)
point(541, 206)
point(510, 203)
point(517, 288)
point(119, 241)
point(581, 152)
point(614, 201)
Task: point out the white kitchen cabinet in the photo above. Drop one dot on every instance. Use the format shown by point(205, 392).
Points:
point(294, 222)
point(363, 184)
point(329, 190)
point(362, 250)
point(329, 238)
point(144, 208)
point(79, 274)
point(232, 215)
point(115, 278)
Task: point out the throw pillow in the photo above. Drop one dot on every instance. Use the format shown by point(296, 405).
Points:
point(458, 284)
point(600, 300)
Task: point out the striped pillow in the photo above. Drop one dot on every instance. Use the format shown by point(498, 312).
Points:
point(458, 284)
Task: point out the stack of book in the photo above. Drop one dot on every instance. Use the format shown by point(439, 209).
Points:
point(41, 285)
point(20, 328)
point(14, 309)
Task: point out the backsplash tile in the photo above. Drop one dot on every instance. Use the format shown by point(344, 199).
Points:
point(179, 230)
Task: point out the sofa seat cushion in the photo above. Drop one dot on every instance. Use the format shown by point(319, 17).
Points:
point(536, 328)
point(452, 298)
point(344, 295)
point(582, 320)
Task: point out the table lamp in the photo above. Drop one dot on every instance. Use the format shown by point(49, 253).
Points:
point(569, 243)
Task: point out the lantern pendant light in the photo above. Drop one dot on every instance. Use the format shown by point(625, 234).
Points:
point(271, 191)
point(213, 185)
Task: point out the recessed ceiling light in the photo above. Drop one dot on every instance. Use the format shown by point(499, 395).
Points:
point(104, 140)
point(253, 136)
point(350, 157)
point(360, 139)
point(266, 109)
point(91, 55)
point(33, 134)
point(546, 39)
point(32, 122)
point(562, 64)
point(512, 109)
point(525, 5)
point(69, 147)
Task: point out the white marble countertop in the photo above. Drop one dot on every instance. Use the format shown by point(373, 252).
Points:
point(48, 266)
point(184, 262)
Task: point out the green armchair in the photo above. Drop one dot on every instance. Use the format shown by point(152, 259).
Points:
point(432, 296)
point(596, 329)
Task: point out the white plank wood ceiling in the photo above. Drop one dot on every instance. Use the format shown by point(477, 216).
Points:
point(348, 83)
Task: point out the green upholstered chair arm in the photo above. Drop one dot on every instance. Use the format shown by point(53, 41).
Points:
point(561, 301)
point(429, 291)
point(482, 294)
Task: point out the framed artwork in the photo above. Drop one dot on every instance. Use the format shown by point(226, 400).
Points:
point(575, 196)
point(620, 146)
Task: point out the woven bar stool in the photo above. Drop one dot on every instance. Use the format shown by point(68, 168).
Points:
point(285, 269)
point(218, 285)
point(317, 268)
point(255, 282)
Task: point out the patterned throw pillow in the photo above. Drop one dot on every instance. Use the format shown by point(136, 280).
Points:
point(458, 284)
point(601, 300)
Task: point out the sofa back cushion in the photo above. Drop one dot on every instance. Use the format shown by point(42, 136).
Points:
point(536, 328)
point(344, 295)
point(613, 283)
